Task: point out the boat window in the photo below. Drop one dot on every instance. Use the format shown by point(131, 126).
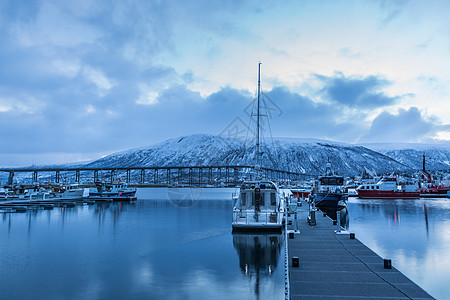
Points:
point(332, 181)
point(273, 199)
point(378, 187)
point(243, 196)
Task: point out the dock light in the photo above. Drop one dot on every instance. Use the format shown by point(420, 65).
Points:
point(387, 264)
point(352, 235)
point(295, 262)
point(291, 235)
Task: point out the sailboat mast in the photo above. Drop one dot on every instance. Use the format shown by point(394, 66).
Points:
point(258, 154)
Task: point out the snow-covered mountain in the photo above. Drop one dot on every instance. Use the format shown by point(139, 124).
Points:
point(299, 155)
point(437, 156)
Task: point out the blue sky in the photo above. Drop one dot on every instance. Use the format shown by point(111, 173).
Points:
point(80, 79)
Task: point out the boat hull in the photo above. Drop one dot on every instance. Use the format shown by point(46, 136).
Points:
point(374, 194)
point(257, 227)
point(331, 200)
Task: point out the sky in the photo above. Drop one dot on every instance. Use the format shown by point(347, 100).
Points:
point(81, 79)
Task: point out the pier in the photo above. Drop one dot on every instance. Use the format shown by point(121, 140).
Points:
point(326, 262)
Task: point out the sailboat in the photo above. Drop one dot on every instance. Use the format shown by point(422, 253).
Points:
point(258, 205)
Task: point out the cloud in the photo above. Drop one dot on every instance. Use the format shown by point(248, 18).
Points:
point(406, 126)
point(357, 92)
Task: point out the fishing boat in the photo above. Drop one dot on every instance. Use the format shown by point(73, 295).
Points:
point(388, 188)
point(258, 204)
point(331, 191)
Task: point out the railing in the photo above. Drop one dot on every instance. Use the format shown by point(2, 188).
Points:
point(246, 217)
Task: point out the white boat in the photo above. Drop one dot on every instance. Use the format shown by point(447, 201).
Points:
point(72, 191)
point(259, 206)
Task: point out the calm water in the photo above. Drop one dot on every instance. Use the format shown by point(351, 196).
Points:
point(177, 244)
point(415, 234)
point(174, 244)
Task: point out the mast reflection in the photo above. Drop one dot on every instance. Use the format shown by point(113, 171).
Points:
point(258, 255)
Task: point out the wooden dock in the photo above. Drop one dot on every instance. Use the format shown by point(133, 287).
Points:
point(331, 265)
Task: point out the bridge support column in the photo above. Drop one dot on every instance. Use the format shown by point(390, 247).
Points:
point(35, 176)
point(57, 175)
point(142, 176)
point(96, 176)
point(236, 176)
point(77, 176)
point(190, 176)
point(155, 175)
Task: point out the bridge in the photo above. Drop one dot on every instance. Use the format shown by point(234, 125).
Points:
point(151, 176)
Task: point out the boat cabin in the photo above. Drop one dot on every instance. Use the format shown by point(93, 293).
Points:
point(257, 195)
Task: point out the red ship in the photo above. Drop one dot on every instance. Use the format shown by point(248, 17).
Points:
point(388, 188)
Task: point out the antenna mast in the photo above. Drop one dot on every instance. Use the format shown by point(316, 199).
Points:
point(258, 153)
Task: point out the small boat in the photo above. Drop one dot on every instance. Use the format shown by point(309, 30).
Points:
point(388, 188)
point(114, 190)
point(331, 191)
point(301, 192)
point(259, 206)
point(72, 191)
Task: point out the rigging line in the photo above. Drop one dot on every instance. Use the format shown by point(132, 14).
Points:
point(250, 119)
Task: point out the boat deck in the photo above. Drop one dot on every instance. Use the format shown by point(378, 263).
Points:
point(333, 266)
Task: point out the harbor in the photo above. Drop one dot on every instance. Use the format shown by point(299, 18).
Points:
point(166, 230)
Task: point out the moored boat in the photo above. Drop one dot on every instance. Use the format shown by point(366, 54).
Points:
point(114, 190)
point(388, 188)
point(301, 192)
point(259, 206)
point(331, 191)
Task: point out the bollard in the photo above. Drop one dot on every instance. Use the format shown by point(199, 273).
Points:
point(387, 264)
point(295, 262)
point(338, 219)
point(352, 235)
point(312, 218)
point(291, 235)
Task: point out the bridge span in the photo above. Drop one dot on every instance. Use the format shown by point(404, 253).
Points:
point(162, 176)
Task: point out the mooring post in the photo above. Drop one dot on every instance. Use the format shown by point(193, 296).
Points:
point(338, 221)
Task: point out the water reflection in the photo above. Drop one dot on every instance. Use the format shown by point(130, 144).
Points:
point(415, 234)
point(259, 255)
